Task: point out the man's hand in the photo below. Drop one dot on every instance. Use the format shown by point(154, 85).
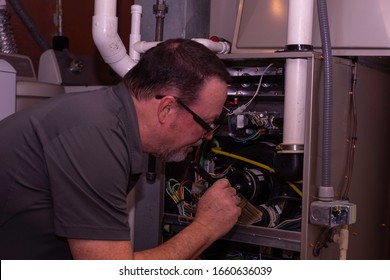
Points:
point(217, 213)
point(218, 209)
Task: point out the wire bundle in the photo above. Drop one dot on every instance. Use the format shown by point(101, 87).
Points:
point(177, 191)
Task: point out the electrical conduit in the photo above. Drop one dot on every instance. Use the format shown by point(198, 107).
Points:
point(326, 192)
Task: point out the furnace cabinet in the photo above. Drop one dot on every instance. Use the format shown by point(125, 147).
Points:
point(286, 231)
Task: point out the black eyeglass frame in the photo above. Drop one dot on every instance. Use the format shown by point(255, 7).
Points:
point(206, 126)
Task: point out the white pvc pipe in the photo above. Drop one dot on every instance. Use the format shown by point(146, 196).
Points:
point(105, 8)
point(142, 46)
point(217, 47)
point(300, 22)
point(106, 38)
point(300, 26)
point(135, 33)
point(110, 46)
point(342, 239)
point(294, 101)
point(139, 47)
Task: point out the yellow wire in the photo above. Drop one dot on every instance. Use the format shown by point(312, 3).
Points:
point(266, 167)
point(181, 195)
point(295, 188)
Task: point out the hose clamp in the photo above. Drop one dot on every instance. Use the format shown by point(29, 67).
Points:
point(290, 147)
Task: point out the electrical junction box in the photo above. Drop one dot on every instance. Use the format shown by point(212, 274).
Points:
point(333, 213)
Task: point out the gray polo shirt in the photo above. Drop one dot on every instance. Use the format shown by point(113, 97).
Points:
point(66, 167)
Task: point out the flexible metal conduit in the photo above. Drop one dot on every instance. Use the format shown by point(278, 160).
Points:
point(328, 93)
point(7, 40)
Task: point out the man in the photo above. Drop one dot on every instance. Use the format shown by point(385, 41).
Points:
point(67, 165)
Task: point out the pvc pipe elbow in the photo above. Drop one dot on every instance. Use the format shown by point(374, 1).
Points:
point(109, 44)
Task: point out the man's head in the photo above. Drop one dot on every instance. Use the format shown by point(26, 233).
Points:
point(184, 84)
point(181, 64)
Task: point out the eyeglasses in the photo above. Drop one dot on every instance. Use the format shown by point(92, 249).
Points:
point(210, 128)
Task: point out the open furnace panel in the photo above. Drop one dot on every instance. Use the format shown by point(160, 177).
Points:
point(243, 150)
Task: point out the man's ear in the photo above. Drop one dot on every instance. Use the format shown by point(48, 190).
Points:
point(166, 108)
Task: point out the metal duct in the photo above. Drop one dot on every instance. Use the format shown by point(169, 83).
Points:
point(7, 40)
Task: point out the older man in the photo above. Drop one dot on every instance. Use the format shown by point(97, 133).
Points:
point(67, 165)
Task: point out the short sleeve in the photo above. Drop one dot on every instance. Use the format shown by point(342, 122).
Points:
point(89, 170)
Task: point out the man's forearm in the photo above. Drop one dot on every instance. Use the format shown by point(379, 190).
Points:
point(187, 244)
